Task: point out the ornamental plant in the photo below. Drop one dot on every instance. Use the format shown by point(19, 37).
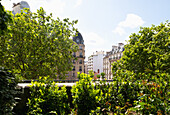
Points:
point(103, 75)
point(47, 98)
point(154, 96)
point(84, 95)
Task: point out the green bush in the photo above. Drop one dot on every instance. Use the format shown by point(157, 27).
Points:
point(84, 95)
point(154, 96)
point(143, 93)
point(47, 98)
point(8, 92)
point(103, 75)
point(125, 95)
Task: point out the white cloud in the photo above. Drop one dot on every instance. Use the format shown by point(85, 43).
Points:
point(56, 7)
point(92, 38)
point(119, 30)
point(132, 21)
point(78, 3)
point(93, 42)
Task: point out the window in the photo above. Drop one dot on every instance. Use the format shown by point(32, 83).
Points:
point(74, 68)
point(74, 61)
point(81, 54)
point(80, 62)
point(77, 40)
point(74, 54)
point(80, 47)
point(80, 68)
point(73, 74)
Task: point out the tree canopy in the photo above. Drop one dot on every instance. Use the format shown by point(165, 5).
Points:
point(148, 51)
point(37, 45)
point(4, 18)
point(143, 72)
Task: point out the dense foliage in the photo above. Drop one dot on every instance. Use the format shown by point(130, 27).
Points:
point(8, 92)
point(84, 95)
point(149, 49)
point(37, 45)
point(145, 66)
point(47, 98)
point(124, 95)
point(4, 19)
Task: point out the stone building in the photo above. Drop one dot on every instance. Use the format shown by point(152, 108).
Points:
point(85, 67)
point(112, 56)
point(78, 63)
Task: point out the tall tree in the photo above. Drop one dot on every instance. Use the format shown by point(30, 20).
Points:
point(147, 51)
point(4, 19)
point(37, 45)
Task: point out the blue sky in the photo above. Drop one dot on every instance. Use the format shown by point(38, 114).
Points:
point(104, 23)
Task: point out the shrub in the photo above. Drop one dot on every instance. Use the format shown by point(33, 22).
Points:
point(46, 98)
point(153, 98)
point(98, 76)
point(84, 95)
point(103, 75)
point(8, 91)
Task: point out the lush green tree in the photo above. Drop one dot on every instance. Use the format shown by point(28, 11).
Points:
point(4, 18)
point(148, 50)
point(37, 45)
point(103, 75)
point(144, 71)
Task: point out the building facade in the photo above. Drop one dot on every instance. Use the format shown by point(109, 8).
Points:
point(95, 62)
point(112, 56)
point(85, 67)
point(78, 63)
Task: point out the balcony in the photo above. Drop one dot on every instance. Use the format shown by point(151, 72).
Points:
point(81, 56)
point(80, 69)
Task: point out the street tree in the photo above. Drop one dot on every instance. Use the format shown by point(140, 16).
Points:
point(4, 18)
point(147, 51)
point(37, 45)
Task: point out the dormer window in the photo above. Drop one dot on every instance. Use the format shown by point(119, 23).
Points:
point(77, 40)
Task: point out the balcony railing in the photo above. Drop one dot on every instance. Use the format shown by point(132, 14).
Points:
point(80, 69)
point(81, 56)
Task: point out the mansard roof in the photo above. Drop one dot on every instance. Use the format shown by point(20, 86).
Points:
point(78, 39)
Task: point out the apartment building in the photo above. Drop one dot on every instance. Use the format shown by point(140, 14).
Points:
point(112, 56)
point(78, 63)
point(95, 62)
